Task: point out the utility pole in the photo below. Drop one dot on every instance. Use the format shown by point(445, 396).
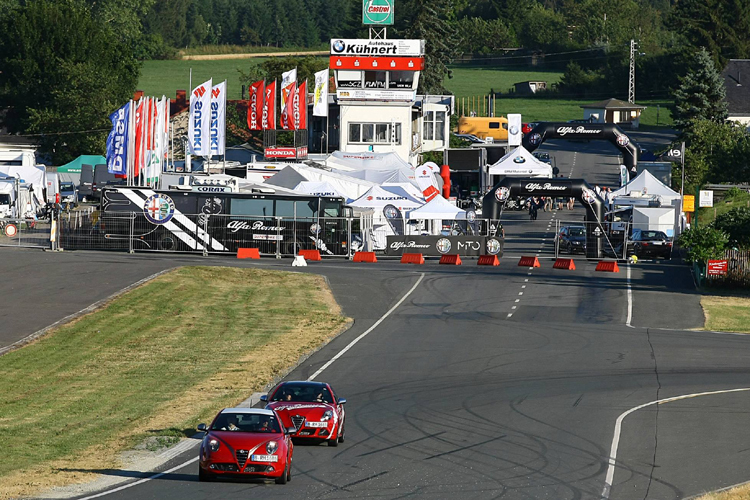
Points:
point(631, 80)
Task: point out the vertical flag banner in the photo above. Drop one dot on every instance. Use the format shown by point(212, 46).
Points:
point(139, 129)
point(255, 106)
point(320, 101)
point(200, 119)
point(218, 118)
point(287, 79)
point(117, 141)
point(299, 107)
point(269, 107)
point(287, 99)
point(131, 144)
point(165, 149)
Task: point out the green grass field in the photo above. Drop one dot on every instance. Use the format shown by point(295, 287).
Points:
point(165, 77)
point(151, 363)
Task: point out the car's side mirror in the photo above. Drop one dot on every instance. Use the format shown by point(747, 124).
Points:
point(290, 430)
point(264, 398)
point(202, 427)
point(342, 401)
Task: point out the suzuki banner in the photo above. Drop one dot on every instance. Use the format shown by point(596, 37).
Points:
point(320, 101)
point(218, 118)
point(117, 141)
point(255, 106)
point(200, 119)
point(426, 180)
point(287, 98)
point(299, 107)
point(269, 107)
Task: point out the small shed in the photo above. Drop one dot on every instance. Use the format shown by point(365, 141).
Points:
point(613, 111)
point(529, 87)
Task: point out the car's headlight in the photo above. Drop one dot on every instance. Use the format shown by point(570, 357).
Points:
point(213, 445)
point(271, 447)
point(328, 415)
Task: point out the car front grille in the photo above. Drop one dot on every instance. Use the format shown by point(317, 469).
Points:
point(241, 457)
point(298, 420)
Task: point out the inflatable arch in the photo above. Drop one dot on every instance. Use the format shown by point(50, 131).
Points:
point(584, 131)
point(494, 202)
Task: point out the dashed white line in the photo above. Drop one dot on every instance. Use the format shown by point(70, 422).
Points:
point(518, 300)
point(520, 293)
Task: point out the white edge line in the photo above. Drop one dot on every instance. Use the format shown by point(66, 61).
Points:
point(363, 335)
point(618, 428)
point(630, 302)
point(136, 483)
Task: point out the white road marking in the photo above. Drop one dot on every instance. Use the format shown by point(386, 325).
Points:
point(363, 335)
point(523, 286)
point(630, 302)
point(526, 280)
point(518, 300)
point(618, 428)
point(520, 293)
point(510, 314)
point(514, 307)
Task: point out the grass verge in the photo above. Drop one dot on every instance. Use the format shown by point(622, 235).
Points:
point(739, 493)
point(153, 362)
point(726, 313)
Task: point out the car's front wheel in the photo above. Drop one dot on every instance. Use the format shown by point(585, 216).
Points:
point(284, 477)
point(204, 476)
point(333, 442)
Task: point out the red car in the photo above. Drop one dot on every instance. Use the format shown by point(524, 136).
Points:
point(312, 408)
point(246, 442)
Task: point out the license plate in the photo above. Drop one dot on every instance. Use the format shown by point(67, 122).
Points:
point(316, 424)
point(658, 242)
point(264, 458)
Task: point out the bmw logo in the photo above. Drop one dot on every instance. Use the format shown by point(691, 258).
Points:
point(519, 159)
point(513, 130)
point(338, 46)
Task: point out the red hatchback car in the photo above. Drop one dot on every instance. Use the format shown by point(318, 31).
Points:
point(246, 442)
point(312, 408)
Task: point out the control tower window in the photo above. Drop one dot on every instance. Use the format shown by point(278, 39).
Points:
point(401, 80)
point(375, 79)
point(434, 126)
point(375, 133)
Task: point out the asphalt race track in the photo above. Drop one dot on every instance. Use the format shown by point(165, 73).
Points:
point(501, 382)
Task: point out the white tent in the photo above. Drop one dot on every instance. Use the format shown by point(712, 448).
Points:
point(377, 198)
point(520, 163)
point(35, 176)
point(437, 209)
point(406, 186)
point(646, 185)
point(380, 176)
point(366, 161)
point(350, 188)
point(318, 189)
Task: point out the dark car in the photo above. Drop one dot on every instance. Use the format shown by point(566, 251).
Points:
point(572, 239)
point(648, 243)
point(542, 156)
point(470, 137)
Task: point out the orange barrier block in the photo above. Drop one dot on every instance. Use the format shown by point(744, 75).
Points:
point(412, 258)
point(564, 264)
point(488, 260)
point(451, 259)
point(609, 266)
point(310, 254)
point(529, 262)
point(365, 257)
point(248, 253)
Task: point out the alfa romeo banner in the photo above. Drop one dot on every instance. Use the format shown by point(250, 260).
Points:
point(442, 245)
point(117, 141)
point(269, 107)
point(218, 118)
point(200, 119)
point(255, 106)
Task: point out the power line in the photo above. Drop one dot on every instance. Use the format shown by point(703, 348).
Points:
point(58, 133)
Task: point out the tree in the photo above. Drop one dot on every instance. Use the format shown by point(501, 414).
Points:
point(736, 224)
point(701, 94)
point(63, 73)
point(431, 21)
point(704, 243)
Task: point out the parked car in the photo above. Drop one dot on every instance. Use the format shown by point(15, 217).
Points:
point(572, 239)
point(246, 442)
point(644, 243)
point(542, 156)
point(312, 408)
point(68, 195)
point(470, 137)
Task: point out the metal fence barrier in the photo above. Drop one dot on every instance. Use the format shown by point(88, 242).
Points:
point(618, 240)
point(31, 233)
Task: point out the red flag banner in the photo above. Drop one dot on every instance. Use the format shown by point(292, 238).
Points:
point(287, 123)
point(255, 106)
point(299, 107)
point(139, 137)
point(269, 107)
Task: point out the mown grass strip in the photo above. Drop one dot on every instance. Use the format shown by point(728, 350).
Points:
point(738, 493)
point(152, 362)
point(726, 314)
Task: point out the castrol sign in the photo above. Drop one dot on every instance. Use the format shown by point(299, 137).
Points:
point(377, 12)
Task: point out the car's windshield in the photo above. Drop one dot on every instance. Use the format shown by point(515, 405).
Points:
point(4, 199)
point(576, 231)
point(303, 393)
point(653, 235)
point(245, 422)
point(66, 186)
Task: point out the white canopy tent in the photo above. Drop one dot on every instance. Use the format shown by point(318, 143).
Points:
point(646, 185)
point(318, 189)
point(437, 209)
point(377, 197)
point(366, 161)
point(350, 188)
point(520, 163)
point(406, 186)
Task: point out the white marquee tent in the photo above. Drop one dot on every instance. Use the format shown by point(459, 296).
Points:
point(645, 184)
point(318, 189)
point(520, 163)
point(437, 209)
point(378, 197)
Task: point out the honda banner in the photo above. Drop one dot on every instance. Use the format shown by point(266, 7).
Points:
point(255, 106)
point(287, 100)
point(320, 101)
point(299, 107)
point(200, 119)
point(117, 141)
point(218, 118)
point(269, 107)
